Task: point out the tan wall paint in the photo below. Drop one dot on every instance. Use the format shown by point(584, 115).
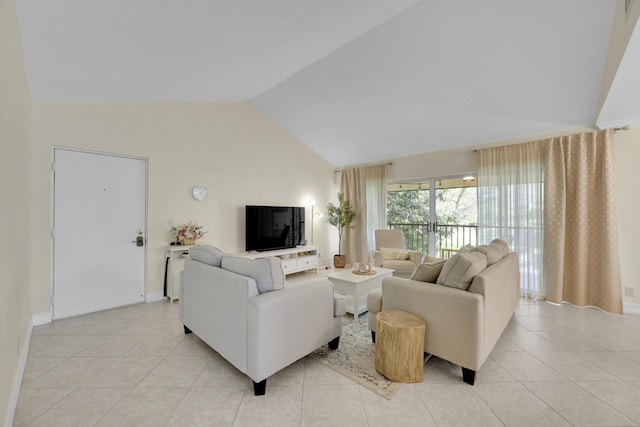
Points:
point(15, 107)
point(230, 147)
point(627, 158)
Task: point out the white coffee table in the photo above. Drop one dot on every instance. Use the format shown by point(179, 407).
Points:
point(356, 286)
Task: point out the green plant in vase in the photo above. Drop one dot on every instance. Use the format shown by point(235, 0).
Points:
point(341, 217)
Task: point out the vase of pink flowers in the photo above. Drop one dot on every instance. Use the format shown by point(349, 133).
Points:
point(187, 234)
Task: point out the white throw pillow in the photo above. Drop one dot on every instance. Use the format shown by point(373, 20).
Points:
point(394, 253)
point(267, 272)
point(460, 269)
point(206, 254)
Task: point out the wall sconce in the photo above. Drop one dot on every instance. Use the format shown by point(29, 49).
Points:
point(468, 178)
point(313, 217)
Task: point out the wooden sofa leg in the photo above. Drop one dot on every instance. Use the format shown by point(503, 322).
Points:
point(468, 376)
point(186, 330)
point(259, 389)
point(373, 336)
point(334, 343)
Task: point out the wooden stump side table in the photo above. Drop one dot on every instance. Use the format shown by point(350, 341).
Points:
point(400, 346)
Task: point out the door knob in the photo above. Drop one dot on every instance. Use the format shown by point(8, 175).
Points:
point(139, 241)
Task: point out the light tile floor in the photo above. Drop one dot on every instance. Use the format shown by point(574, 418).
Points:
point(133, 366)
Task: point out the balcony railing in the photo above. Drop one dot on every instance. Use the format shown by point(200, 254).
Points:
point(448, 237)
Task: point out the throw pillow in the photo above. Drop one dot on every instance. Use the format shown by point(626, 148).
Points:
point(465, 249)
point(494, 252)
point(206, 254)
point(503, 244)
point(394, 253)
point(428, 271)
point(460, 269)
point(267, 272)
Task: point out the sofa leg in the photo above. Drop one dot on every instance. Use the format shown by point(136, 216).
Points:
point(373, 336)
point(259, 389)
point(333, 344)
point(186, 329)
point(468, 376)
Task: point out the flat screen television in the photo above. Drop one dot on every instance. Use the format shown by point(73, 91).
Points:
point(273, 227)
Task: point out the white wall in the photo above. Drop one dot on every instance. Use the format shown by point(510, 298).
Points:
point(440, 164)
point(15, 106)
point(230, 147)
point(627, 161)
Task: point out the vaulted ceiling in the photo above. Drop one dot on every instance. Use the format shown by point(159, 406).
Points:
point(357, 81)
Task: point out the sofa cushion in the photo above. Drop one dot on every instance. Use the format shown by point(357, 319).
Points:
point(428, 271)
point(267, 272)
point(206, 254)
point(465, 249)
point(505, 246)
point(374, 300)
point(494, 251)
point(460, 269)
point(394, 253)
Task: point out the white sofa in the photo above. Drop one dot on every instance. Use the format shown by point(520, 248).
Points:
point(466, 312)
point(257, 329)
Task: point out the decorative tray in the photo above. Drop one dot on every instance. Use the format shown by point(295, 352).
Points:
point(364, 273)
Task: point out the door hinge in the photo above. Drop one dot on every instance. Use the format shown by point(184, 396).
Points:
point(53, 167)
point(53, 233)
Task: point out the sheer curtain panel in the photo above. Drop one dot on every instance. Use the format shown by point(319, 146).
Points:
point(510, 206)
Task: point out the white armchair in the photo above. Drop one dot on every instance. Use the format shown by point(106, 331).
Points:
point(391, 253)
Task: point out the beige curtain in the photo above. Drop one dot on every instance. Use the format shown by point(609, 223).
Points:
point(580, 231)
point(510, 207)
point(365, 188)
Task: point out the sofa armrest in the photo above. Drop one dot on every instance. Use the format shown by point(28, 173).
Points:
point(214, 305)
point(454, 318)
point(500, 285)
point(287, 324)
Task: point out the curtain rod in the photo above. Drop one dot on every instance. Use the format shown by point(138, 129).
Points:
point(362, 166)
point(627, 127)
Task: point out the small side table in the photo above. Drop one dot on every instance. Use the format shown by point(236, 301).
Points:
point(175, 256)
point(400, 346)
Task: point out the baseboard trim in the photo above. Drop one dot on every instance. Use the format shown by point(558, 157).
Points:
point(154, 296)
point(22, 364)
point(41, 318)
point(629, 308)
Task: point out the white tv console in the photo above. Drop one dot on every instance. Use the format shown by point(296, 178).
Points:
point(294, 260)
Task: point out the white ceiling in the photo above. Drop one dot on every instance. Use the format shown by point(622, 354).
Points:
point(358, 81)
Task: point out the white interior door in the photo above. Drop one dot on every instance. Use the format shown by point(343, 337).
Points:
point(99, 212)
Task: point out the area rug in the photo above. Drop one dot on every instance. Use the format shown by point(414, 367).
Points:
point(355, 358)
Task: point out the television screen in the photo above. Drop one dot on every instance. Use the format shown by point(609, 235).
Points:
point(273, 227)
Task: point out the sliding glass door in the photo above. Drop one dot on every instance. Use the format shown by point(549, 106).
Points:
point(437, 216)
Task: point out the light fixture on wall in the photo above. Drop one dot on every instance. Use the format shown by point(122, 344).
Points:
point(313, 216)
point(468, 178)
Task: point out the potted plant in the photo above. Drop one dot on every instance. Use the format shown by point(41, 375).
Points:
point(340, 216)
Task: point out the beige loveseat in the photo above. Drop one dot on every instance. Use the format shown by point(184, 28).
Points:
point(463, 324)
